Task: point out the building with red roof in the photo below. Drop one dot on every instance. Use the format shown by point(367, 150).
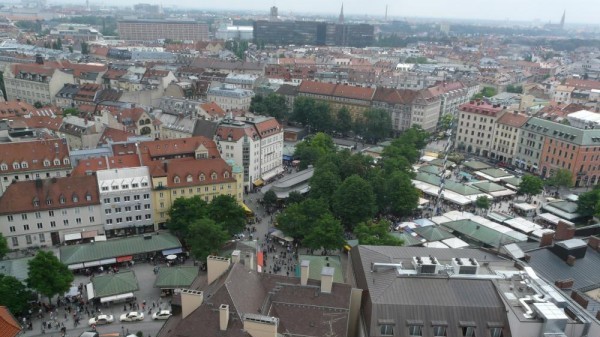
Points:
point(9, 326)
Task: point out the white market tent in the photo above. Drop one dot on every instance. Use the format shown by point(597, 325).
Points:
point(523, 225)
point(455, 243)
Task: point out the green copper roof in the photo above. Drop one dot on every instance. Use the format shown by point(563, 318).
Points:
point(176, 277)
point(115, 284)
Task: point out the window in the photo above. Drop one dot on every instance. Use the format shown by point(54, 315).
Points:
point(147, 206)
point(56, 162)
point(468, 331)
point(66, 222)
point(117, 199)
point(138, 207)
point(134, 185)
point(146, 196)
point(118, 210)
point(12, 229)
point(213, 176)
point(92, 219)
point(108, 211)
point(125, 187)
point(39, 225)
point(119, 220)
point(202, 177)
point(189, 178)
point(109, 221)
point(52, 224)
point(42, 237)
point(15, 241)
point(137, 197)
point(38, 215)
point(26, 227)
point(107, 200)
point(78, 221)
point(147, 216)
point(387, 329)
point(439, 331)
point(115, 187)
point(138, 217)
point(495, 332)
point(28, 239)
point(128, 219)
point(415, 330)
point(127, 198)
point(24, 216)
point(127, 208)
point(10, 218)
point(176, 180)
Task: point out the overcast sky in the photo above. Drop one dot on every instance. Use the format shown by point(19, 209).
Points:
point(578, 11)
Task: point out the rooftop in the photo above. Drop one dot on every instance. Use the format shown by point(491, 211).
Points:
point(115, 284)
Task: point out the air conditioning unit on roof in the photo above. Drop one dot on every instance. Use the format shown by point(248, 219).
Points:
point(426, 265)
point(465, 266)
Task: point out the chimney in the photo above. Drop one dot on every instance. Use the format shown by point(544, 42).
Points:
point(223, 316)
point(260, 326)
point(39, 59)
point(235, 256)
point(594, 243)
point(304, 268)
point(527, 258)
point(571, 260)
point(327, 279)
point(564, 284)
point(564, 231)
point(546, 239)
point(190, 301)
point(216, 266)
point(579, 299)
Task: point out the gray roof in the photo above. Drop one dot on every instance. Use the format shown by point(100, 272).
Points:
point(17, 268)
point(566, 133)
point(585, 272)
point(287, 89)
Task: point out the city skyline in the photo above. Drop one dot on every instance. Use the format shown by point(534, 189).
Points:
point(511, 10)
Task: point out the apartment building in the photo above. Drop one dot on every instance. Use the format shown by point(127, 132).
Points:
point(40, 159)
point(560, 147)
point(506, 136)
point(125, 194)
point(188, 167)
point(475, 127)
point(562, 94)
point(49, 212)
point(32, 82)
point(452, 96)
point(151, 30)
point(426, 111)
point(398, 103)
point(355, 99)
point(254, 144)
point(228, 97)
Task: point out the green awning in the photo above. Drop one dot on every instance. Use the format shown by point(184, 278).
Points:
point(176, 277)
point(115, 284)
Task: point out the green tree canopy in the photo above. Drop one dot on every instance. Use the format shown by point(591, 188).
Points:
point(271, 105)
point(588, 203)
point(561, 178)
point(515, 89)
point(311, 149)
point(270, 199)
point(299, 219)
point(343, 121)
point(402, 195)
point(482, 202)
point(183, 212)
point(354, 201)
point(228, 213)
point(376, 233)
point(14, 295)
point(446, 121)
point(48, 275)
point(295, 197)
point(376, 125)
point(486, 92)
point(3, 246)
point(327, 233)
point(531, 185)
point(324, 182)
point(316, 115)
point(205, 238)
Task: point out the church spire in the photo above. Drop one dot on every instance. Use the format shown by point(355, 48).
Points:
point(341, 18)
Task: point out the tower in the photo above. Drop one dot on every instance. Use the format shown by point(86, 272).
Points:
point(274, 13)
point(386, 9)
point(87, 5)
point(341, 18)
point(562, 20)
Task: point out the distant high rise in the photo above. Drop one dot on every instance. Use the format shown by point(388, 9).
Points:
point(274, 13)
point(562, 20)
point(386, 9)
point(341, 18)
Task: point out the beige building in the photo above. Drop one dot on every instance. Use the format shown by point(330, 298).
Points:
point(562, 94)
point(51, 211)
point(35, 82)
point(229, 97)
point(40, 159)
point(475, 127)
point(506, 136)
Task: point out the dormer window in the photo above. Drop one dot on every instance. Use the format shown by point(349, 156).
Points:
point(46, 163)
point(202, 177)
point(226, 175)
point(3, 167)
point(213, 176)
point(66, 161)
point(75, 198)
point(56, 162)
point(88, 197)
point(36, 202)
point(115, 187)
point(176, 180)
point(62, 199)
point(189, 178)
point(48, 201)
point(24, 164)
point(16, 166)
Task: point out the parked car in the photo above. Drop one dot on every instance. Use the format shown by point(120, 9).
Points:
point(163, 314)
point(132, 316)
point(101, 319)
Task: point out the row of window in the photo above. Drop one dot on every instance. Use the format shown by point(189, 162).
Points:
point(38, 215)
point(40, 225)
point(128, 219)
point(116, 187)
point(126, 198)
point(416, 330)
point(41, 237)
point(25, 165)
point(201, 177)
point(127, 208)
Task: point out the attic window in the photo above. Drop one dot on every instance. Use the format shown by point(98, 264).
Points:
point(48, 201)
point(88, 197)
point(213, 176)
point(189, 178)
point(24, 164)
point(62, 199)
point(3, 167)
point(46, 163)
point(66, 161)
point(202, 177)
point(56, 162)
point(75, 198)
point(176, 180)
point(16, 166)
point(36, 201)
point(226, 175)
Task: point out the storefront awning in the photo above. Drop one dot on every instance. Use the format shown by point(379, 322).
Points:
point(272, 173)
point(72, 236)
point(247, 209)
point(124, 258)
point(259, 182)
point(116, 297)
point(75, 266)
point(89, 234)
point(172, 251)
point(90, 290)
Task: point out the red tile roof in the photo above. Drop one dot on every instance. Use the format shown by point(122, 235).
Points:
point(317, 88)
point(54, 193)
point(42, 122)
point(34, 154)
point(102, 163)
point(583, 84)
point(33, 68)
point(14, 108)
point(513, 119)
point(174, 147)
point(225, 132)
point(213, 109)
point(114, 135)
point(189, 168)
point(394, 96)
point(114, 74)
point(339, 90)
point(268, 127)
point(9, 326)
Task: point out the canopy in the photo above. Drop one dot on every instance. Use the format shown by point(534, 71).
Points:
point(72, 236)
point(259, 182)
point(172, 251)
point(90, 290)
point(116, 297)
point(247, 209)
point(279, 234)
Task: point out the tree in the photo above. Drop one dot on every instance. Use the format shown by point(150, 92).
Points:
point(311, 149)
point(183, 212)
point(486, 92)
point(316, 115)
point(299, 219)
point(294, 197)
point(14, 295)
point(205, 238)
point(377, 125)
point(270, 199)
point(354, 201)
point(273, 105)
point(376, 233)
point(561, 178)
point(402, 196)
point(48, 275)
point(228, 213)
point(588, 203)
point(38, 105)
point(327, 233)
point(343, 121)
point(324, 182)
point(515, 89)
point(530, 185)
point(3, 246)
point(446, 121)
point(70, 111)
point(482, 202)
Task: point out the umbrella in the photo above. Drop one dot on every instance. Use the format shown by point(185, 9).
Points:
point(171, 257)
